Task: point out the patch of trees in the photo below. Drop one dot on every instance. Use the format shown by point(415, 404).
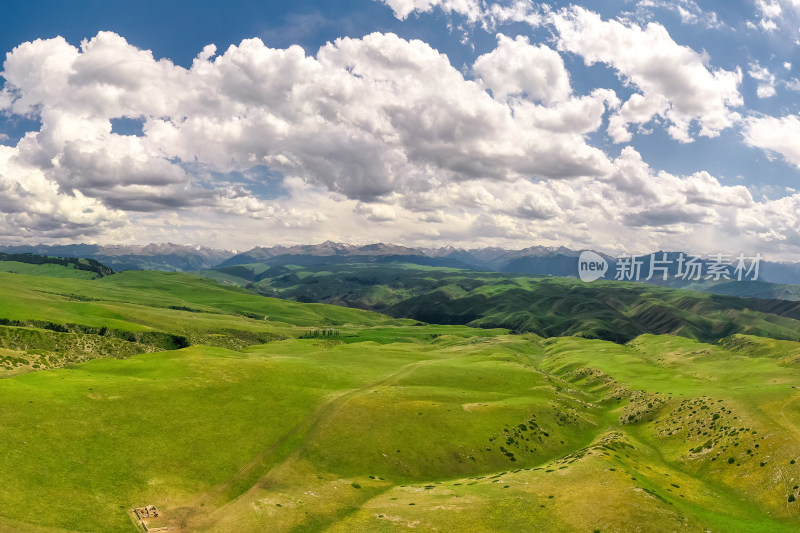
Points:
point(322, 333)
point(89, 265)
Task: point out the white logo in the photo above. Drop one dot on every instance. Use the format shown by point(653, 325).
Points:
point(591, 266)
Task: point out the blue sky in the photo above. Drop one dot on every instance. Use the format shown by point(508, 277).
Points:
point(623, 125)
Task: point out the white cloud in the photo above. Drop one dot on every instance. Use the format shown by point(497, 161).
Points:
point(577, 115)
point(32, 205)
point(769, 11)
point(375, 212)
point(793, 84)
point(516, 67)
point(765, 91)
point(403, 8)
point(365, 118)
point(535, 83)
point(778, 14)
point(781, 16)
point(688, 10)
point(774, 225)
point(674, 80)
point(766, 87)
point(238, 201)
point(377, 138)
point(631, 206)
point(775, 135)
point(513, 11)
point(489, 15)
point(638, 109)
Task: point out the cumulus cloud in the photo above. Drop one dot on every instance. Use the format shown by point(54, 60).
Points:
point(32, 205)
point(237, 200)
point(775, 135)
point(766, 86)
point(776, 224)
point(364, 118)
point(773, 15)
point(488, 14)
point(769, 11)
point(578, 114)
point(516, 67)
point(615, 207)
point(688, 10)
point(632, 208)
point(403, 8)
point(534, 82)
point(377, 138)
point(75, 92)
point(675, 81)
point(375, 212)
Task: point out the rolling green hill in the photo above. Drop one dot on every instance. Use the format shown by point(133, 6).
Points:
point(137, 312)
point(547, 306)
point(232, 412)
point(747, 289)
point(59, 267)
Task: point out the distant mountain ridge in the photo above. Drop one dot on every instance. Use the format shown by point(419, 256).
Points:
point(548, 306)
point(164, 256)
point(325, 249)
point(776, 280)
point(535, 260)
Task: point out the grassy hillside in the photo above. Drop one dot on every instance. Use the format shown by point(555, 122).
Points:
point(501, 434)
point(59, 267)
point(558, 435)
point(129, 299)
point(73, 320)
point(546, 306)
point(746, 289)
point(282, 416)
point(50, 270)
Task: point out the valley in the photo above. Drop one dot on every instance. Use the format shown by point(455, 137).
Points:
point(231, 411)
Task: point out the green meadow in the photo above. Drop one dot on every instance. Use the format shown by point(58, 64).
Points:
point(235, 412)
point(49, 270)
point(544, 305)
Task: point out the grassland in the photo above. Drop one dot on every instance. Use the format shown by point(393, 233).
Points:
point(59, 267)
point(49, 270)
point(382, 424)
point(547, 306)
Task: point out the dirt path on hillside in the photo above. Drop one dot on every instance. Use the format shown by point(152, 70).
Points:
point(304, 427)
point(786, 418)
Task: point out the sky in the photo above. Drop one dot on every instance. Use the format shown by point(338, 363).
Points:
point(623, 126)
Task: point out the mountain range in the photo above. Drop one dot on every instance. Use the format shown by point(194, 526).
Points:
point(534, 261)
point(163, 256)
